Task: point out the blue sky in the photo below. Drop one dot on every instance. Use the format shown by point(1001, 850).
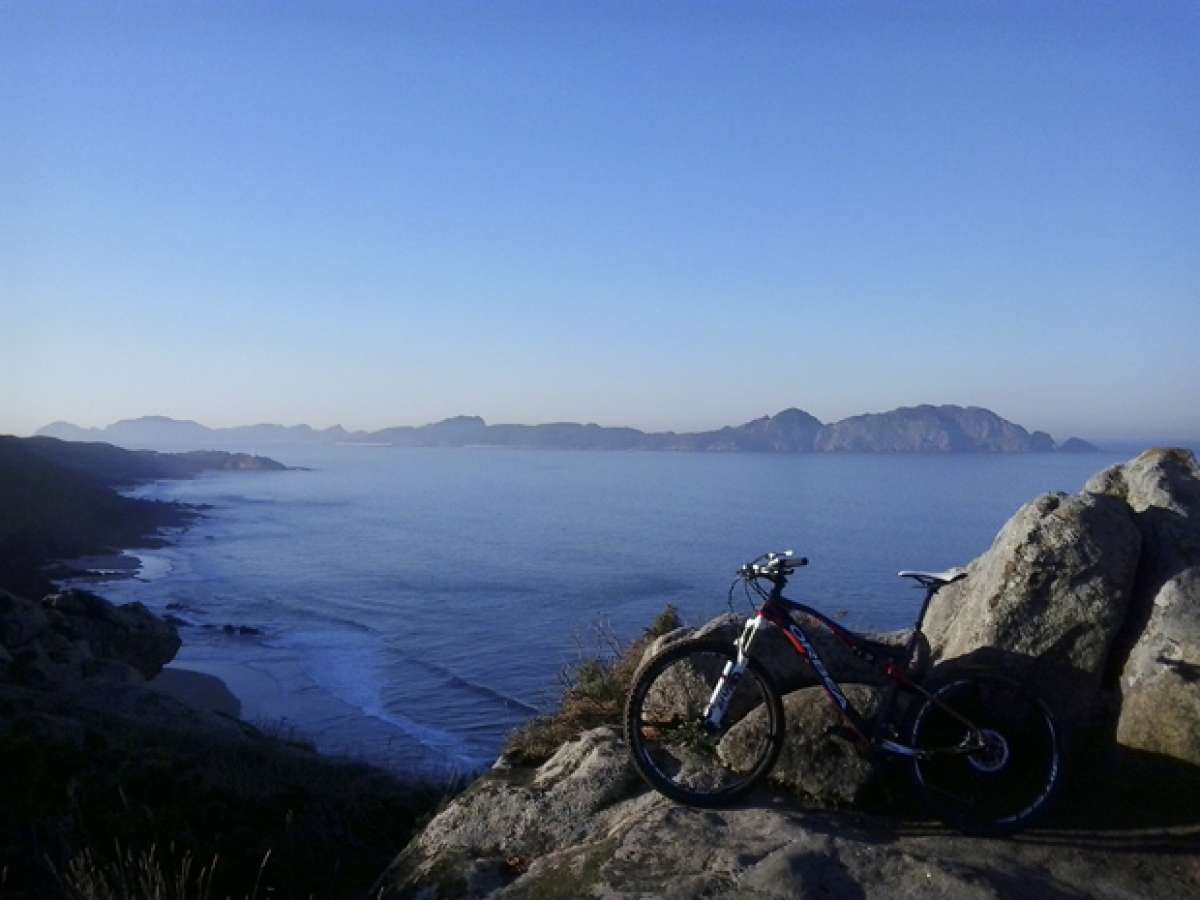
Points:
point(670, 215)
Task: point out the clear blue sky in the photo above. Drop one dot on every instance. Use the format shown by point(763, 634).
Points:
point(670, 215)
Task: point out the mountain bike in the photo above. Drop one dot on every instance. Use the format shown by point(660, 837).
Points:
point(705, 722)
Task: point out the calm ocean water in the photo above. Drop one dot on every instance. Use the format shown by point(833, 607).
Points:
point(415, 605)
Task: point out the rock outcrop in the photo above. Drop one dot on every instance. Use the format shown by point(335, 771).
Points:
point(1047, 600)
point(1160, 676)
point(578, 827)
point(819, 763)
point(74, 636)
point(1097, 596)
point(511, 816)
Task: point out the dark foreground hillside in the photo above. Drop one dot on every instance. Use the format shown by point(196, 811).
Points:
point(113, 790)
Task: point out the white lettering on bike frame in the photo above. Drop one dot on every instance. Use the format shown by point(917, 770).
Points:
point(830, 685)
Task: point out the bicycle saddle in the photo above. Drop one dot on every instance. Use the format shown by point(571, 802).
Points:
point(940, 579)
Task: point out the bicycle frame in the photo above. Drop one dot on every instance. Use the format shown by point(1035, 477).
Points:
point(777, 610)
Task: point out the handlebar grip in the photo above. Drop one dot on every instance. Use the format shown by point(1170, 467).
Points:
point(774, 562)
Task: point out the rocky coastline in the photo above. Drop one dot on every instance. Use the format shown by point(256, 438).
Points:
point(1094, 597)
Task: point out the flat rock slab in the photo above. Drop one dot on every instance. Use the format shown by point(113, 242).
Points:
point(578, 827)
point(656, 848)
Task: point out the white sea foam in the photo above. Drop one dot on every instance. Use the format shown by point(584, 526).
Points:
point(350, 665)
point(150, 565)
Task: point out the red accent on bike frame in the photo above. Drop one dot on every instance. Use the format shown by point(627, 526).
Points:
point(898, 674)
point(846, 636)
point(781, 620)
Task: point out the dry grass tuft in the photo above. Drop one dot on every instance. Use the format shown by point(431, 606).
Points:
point(153, 814)
point(130, 875)
point(594, 692)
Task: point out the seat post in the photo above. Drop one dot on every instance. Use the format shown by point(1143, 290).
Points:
point(931, 588)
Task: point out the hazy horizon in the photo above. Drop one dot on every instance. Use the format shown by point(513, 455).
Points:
point(675, 216)
point(1112, 439)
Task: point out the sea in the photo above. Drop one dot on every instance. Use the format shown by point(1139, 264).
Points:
point(410, 607)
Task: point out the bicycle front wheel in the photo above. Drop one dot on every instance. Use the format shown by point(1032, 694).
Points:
point(1005, 785)
point(676, 745)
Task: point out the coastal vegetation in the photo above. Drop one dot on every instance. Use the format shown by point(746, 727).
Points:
point(594, 692)
point(102, 801)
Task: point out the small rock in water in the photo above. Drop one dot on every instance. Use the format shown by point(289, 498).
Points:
point(240, 629)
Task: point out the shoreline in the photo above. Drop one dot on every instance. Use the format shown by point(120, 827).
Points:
point(119, 561)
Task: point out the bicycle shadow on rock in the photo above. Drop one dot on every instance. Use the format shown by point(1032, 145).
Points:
point(1162, 824)
point(1107, 787)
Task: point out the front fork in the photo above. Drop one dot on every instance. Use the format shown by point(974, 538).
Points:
point(718, 703)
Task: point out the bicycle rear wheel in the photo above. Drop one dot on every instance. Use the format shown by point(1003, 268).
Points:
point(1012, 780)
point(672, 745)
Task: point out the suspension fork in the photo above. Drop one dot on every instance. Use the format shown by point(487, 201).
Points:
point(718, 703)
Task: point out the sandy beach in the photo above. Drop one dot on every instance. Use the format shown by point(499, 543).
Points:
point(197, 689)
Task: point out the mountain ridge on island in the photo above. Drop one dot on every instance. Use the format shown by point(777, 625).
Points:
point(912, 429)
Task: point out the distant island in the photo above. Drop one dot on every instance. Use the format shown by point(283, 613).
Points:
point(909, 429)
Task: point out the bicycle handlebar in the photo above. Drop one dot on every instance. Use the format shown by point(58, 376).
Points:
point(772, 563)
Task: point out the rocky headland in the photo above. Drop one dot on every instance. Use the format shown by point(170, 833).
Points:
point(1094, 597)
point(60, 500)
point(910, 429)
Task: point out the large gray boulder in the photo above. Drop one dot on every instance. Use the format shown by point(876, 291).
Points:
point(1160, 676)
point(1160, 683)
point(1051, 595)
point(820, 763)
point(511, 815)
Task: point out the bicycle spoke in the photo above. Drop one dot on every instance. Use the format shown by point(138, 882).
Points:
point(677, 749)
point(1007, 780)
